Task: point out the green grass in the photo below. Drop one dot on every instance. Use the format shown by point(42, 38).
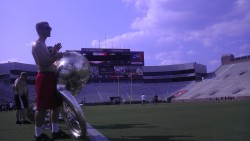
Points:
point(173, 122)
point(225, 121)
point(9, 131)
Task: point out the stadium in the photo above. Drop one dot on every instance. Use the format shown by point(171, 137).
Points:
point(120, 73)
point(118, 77)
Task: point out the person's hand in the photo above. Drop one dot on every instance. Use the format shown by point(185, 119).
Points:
point(57, 47)
point(59, 55)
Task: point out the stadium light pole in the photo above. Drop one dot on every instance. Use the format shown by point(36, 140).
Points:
point(118, 89)
point(131, 87)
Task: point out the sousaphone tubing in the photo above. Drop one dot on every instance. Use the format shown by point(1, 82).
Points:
point(72, 73)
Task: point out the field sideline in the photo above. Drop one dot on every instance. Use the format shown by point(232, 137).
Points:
point(223, 121)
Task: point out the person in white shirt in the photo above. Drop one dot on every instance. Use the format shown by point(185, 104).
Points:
point(143, 99)
point(11, 104)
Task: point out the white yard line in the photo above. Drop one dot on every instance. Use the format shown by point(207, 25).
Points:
point(94, 135)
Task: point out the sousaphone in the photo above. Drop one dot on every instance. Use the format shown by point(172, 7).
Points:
point(72, 73)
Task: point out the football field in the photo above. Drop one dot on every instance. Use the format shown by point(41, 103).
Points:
point(222, 121)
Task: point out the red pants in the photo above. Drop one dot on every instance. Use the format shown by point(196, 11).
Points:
point(46, 93)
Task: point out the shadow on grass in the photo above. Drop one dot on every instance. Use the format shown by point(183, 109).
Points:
point(153, 138)
point(123, 126)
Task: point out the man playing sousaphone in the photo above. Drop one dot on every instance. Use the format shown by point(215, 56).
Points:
point(46, 93)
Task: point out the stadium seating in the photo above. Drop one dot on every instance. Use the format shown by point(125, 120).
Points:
point(6, 94)
point(230, 80)
point(101, 92)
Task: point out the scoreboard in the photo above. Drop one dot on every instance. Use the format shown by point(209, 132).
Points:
point(137, 58)
point(105, 58)
point(113, 63)
point(113, 56)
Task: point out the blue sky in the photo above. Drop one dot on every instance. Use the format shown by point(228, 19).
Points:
point(168, 31)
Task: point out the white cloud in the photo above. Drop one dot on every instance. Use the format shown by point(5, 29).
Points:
point(11, 60)
point(216, 49)
point(191, 52)
point(214, 62)
point(164, 25)
point(168, 21)
point(158, 17)
point(243, 5)
point(138, 4)
point(245, 47)
point(231, 27)
point(172, 54)
point(242, 54)
point(169, 58)
point(171, 62)
point(29, 44)
point(120, 40)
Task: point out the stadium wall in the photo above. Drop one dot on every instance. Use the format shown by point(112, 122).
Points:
point(230, 59)
point(174, 73)
point(14, 69)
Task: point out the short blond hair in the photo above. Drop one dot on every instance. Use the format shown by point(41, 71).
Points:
point(40, 25)
point(23, 74)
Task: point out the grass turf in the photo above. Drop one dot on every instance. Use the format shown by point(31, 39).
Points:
point(9, 131)
point(224, 121)
point(227, 121)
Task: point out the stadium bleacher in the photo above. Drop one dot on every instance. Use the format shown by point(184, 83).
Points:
point(229, 81)
point(101, 92)
point(6, 94)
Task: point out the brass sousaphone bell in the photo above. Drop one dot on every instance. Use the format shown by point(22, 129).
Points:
point(72, 73)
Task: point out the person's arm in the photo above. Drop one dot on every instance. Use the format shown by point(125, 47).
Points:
point(26, 90)
point(15, 86)
point(56, 48)
point(27, 93)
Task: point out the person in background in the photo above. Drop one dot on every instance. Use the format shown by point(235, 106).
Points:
point(11, 104)
point(156, 99)
point(143, 99)
point(21, 91)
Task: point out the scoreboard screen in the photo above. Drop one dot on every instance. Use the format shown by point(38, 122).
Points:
point(113, 57)
point(104, 58)
point(106, 70)
point(108, 56)
point(137, 58)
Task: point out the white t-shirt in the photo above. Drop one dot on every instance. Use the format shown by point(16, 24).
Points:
point(143, 97)
point(11, 105)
